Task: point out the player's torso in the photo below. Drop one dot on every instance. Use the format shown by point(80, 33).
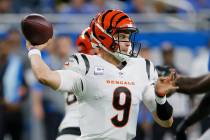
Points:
point(109, 108)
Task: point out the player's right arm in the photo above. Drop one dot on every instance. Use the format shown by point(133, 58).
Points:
point(43, 73)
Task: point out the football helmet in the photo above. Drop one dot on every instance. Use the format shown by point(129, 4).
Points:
point(83, 42)
point(115, 31)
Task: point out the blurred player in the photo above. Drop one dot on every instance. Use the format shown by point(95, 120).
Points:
point(83, 43)
point(109, 87)
point(192, 86)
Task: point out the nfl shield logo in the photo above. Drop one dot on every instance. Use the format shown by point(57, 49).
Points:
point(98, 70)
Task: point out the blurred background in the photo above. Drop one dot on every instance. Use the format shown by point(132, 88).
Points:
point(172, 32)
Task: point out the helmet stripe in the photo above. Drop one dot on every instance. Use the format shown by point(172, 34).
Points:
point(93, 30)
point(103, 17)
point(110, 25)
point(104, 31)
point(121, 18)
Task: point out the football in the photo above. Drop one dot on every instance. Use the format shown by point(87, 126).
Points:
point(36, 29)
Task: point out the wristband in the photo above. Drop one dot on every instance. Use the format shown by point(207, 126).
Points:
point(164, 111)
point(33, 52)
point(160, 100)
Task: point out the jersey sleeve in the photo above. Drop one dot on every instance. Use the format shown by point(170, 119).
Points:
point(151, 72)
point(71, 82)
point(148, 95)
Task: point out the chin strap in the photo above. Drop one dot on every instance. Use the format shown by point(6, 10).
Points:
point(119, 56)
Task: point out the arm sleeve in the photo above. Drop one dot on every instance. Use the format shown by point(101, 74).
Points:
point(71, 82)
point(153, 74)
point(148, 95)
point(76, 63)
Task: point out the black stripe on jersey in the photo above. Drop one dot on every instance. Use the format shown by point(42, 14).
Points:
point(155, 69)
point(70, 131)
point(122, 65)
point(87, 64)
point(148, 68)
point(76, 58)
point(82, 84)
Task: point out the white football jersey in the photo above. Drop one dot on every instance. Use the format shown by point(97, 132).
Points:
point(109, 97)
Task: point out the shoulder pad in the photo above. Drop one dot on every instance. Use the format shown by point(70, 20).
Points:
point(78, 62)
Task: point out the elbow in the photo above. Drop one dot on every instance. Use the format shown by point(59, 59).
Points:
point(42, 78)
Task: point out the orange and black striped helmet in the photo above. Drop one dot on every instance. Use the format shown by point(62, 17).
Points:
point(106, 24)
point(83, 42)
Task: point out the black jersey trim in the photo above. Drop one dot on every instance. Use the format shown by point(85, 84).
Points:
point(148, 68)
point(76, 58)
point(70, 130)
point(82, 84)
point(87, 64)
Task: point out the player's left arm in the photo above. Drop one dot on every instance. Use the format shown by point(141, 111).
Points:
point(154, 98)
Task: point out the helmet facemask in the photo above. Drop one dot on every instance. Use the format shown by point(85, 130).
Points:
point(125, 42)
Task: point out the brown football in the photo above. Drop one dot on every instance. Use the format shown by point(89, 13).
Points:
point(36, 29)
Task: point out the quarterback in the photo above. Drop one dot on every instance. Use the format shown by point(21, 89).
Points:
point(110, 86)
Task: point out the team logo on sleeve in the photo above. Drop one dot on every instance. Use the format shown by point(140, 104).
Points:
point(98, 70)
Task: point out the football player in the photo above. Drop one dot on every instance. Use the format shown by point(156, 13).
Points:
point(109, 86)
